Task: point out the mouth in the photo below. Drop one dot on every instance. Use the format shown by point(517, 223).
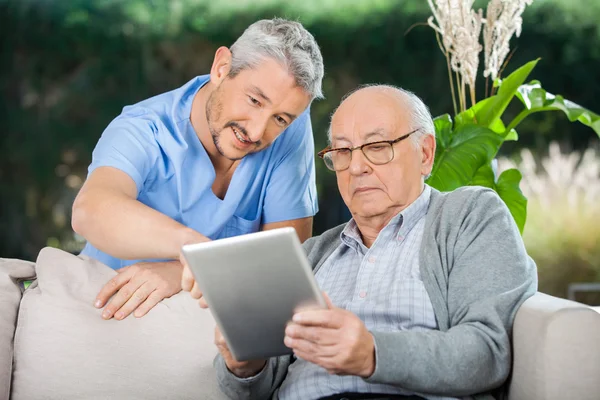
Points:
point(364, 190)
point(240, 138)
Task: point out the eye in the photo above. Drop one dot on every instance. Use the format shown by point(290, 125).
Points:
point(377, 147)
point(281, 121)
point(254, 101)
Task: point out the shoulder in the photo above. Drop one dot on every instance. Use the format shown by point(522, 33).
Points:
point(464, 200)
point(319, 244)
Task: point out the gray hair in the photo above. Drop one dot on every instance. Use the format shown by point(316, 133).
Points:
point(288, 43)
point(419, 115)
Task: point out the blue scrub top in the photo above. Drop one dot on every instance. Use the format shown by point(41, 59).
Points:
point(155, 144)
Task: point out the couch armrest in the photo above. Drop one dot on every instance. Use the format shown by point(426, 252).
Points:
point(556, 351)
point(12, 272)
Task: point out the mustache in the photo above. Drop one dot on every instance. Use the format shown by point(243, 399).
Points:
point(242, 130)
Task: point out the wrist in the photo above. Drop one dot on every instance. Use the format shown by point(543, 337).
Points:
point(188, 236)
point(252, 369)
point(371, 360)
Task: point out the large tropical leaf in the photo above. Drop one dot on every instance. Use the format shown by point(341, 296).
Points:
point(460, 153)
point(507, 187)
point(489, 111)
point(509, 191)
point(536, 99)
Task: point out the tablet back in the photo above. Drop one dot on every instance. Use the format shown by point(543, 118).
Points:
point(253, 284)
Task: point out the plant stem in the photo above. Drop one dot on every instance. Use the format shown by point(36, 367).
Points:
point(460, 92)
point(451, 84)
point(472, 95)
point(517, 120)
point(464, 93)
point(447, 55)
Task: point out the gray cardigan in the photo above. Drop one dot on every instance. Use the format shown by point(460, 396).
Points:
point(477, 273)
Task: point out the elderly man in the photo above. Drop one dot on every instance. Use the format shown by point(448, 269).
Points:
point(227, 153)
point(423, 285)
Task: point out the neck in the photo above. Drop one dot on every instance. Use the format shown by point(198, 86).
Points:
point(200, 125)
point(370, 226)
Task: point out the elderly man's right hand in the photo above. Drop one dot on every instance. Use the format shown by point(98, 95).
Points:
point(241, 369)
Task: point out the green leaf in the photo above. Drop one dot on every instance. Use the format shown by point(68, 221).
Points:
point(443, 128)
point(484, 177)
point(536, 99)
point(488, 111)
point(460, 153)
point(507, 187)
point(469, 117)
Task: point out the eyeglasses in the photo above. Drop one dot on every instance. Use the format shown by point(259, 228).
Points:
point(378, 153)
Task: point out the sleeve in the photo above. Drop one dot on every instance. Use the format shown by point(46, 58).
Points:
point(259, 387)
point(128, 144)
point(291, 191)
point(491, 276)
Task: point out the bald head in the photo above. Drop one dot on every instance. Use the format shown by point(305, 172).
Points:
point(394, 103)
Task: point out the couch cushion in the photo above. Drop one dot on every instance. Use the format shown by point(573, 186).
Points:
point(65, 350)
point(11, 273)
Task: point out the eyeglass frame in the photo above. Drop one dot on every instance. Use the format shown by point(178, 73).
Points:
point(328, 149)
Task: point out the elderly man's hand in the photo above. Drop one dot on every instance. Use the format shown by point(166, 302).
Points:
point(241, 369)
point(138, 288)
point(334, 339)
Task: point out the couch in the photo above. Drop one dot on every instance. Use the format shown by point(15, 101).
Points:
point(54, 344)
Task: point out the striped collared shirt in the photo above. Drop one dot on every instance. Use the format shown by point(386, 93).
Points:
point(381, 285)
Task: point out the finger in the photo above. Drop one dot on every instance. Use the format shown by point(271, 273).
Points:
point(123, 269)
point(203, 303)
point(153, 299)
point(196, 292)
point(218, 335)
point(328, 301)
point(135, 300)
point(306, 346)
point(122, 296)
point(318, 335)
point(187, 279)
point(111, 288)
point(327, 363)
point(325, 318)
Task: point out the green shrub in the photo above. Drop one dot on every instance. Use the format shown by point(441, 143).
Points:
point(562, 232)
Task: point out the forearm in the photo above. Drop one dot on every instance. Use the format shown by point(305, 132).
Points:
point(125, 228)
point(462, 361)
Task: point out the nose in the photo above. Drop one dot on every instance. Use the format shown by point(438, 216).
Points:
point(257, 126)
point(358, 164)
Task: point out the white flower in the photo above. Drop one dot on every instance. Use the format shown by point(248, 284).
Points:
point(503, 19)
point(459, 27)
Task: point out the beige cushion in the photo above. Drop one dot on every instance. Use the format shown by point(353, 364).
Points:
point(11, 273)
point(556, 351)
point(65, 350)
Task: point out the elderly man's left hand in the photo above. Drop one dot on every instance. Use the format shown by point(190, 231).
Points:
point(139, 287)
point(334, 339)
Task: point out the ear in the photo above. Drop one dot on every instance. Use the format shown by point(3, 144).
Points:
point(427, 153)
point(221, 65)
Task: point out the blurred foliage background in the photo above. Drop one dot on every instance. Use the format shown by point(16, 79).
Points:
point(69, 66)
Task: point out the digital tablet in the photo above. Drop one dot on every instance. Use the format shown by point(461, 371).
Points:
point(253, 285)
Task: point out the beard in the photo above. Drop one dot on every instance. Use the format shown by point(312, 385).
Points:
point(214, 109)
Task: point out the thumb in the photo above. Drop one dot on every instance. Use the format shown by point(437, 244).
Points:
point(328, 301)
point(187, 279)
